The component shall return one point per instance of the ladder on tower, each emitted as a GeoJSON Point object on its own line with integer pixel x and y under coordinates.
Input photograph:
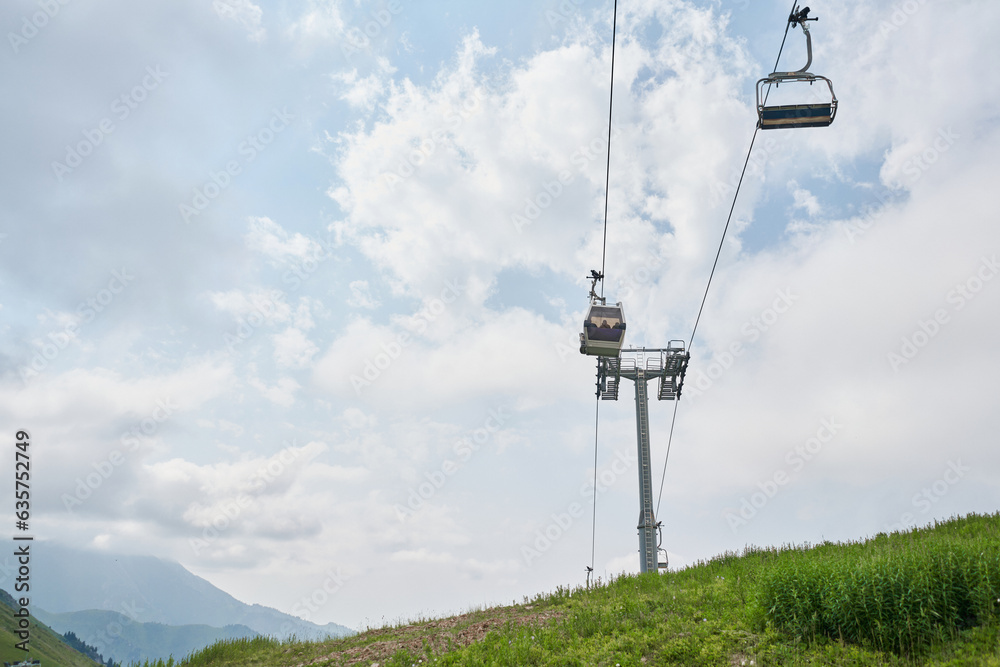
{"type": "Point", "coordinates": [673, 362]}
{"type": "Point", "coordinates": [610, 372]}
{"type": "Point", "coordinates": [647, 524]}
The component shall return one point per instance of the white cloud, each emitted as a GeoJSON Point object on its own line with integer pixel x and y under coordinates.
{"type": "Point", "coordinates": [363, 92]}
{"type": "Point", "coordinates": [292, 349]}
{"type": "Point", "coordinates": [244, 12]}
{"type": "Point", "coordinates": [94, 396]}
{"type": "Point", "coordinates": [515, 353]}
{"type": "Point", "coordinates": [355, 418]}
{"type": "Point", "coordinates": [322, 22]}
{"type": "Point", "coordinates": [272, 240]}
{"type": "Point", "coordinates": [222, 425]}
{"type": "Point", "coordinates": [303, 313]}
{"type": "Point", "coordinates": [805, 200]}
{"type": "Point", "coordinates": [894, 60]}
{"type": "Point", "coordinates": [361, 295]}
{"type": "Point", "coordinates": [230, 427]}
{"type": "Point", "coordinates": [263, 305]}
{"type": "Point", "coordinates": [250, 492]}
{"type": "Point", "coordinates": [462, 179]}
{"type": "Point", "coordinates": [282, 393]}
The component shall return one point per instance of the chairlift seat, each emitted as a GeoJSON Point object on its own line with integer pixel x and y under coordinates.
{"type": "Point", "coordinates": [796, 115]}
{"type": "Point", "coordinates": [817, 114]}
{"type": "Point", "coordinates": [776, 117]}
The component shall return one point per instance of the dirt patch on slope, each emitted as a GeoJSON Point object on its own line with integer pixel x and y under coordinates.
{"type": "Point", "coordinates": [438, 635]}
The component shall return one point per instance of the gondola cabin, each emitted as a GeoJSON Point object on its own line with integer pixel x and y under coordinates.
{"type": "Point", "coordinates": [603, 330]}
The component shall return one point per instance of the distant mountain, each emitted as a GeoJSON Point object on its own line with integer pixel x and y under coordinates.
{"type": "Point", "coordinates": [151, 590]}
{"type": "Point", "coordinates": [44, 644]}
{"type": "Point", "coordinates": [126, 641]}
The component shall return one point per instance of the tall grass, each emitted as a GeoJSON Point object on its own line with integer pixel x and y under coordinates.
{"type": "Point", "coordinates": [901, 593]}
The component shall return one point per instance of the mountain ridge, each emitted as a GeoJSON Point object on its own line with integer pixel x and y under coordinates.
{"type": "Point", "coordinates": [149, 589]}
{"type": "Point", "coordinates": [127, 641]}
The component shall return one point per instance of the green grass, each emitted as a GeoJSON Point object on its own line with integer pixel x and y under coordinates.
{"type": "Point", "coordinates": [923, 597]}
{"type": "Point", "coordinates": [902, 593]}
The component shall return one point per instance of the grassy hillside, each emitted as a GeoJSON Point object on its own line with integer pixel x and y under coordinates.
{"type": "Point", "coordinates": [45, 644]}
{"type": "Point", "coordinates": [927, 597]}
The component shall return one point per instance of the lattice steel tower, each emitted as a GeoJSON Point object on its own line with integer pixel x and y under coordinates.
{"type": "Point", "coordinates": [641, 365]}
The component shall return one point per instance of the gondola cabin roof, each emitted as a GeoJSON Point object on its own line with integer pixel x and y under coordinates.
{"type": "Point", "coordinates": [613, 315]}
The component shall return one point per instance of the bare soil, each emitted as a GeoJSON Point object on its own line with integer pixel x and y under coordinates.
{"type": "Point", "coordinates": [439, 635]}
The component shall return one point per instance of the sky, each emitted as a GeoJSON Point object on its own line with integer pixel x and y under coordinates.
{"type": "Point", "coordinates": [290, 291]}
